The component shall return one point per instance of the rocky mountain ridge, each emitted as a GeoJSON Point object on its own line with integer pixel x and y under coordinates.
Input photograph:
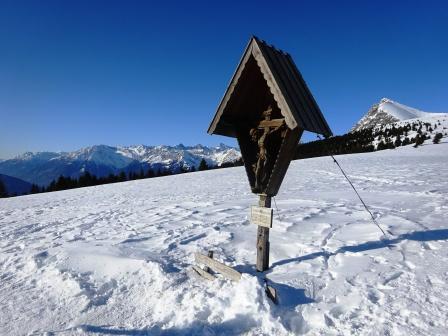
{"type": "Point", "coordinates": [387, 112]}
{"type": "Point", "coordinates": [42, 167]}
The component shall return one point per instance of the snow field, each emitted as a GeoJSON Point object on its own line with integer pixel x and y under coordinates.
{"type": "Point", "coordinates": [114, 259]}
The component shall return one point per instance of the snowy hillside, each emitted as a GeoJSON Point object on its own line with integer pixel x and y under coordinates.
{"type": "Point", "coordinates": [428, 127]}
{"type": "Point", "coordinates": [43, 167]}
{"type": "Point", "coordinates": [387, 111]}
{"type": "Point", "coordinates": [114, 259]}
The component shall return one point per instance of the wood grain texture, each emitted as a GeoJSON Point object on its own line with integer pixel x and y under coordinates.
{"type": "Point", "coordinates": [203, 273]}
{"type": "Point", "coordinates": [262, 249]}
{"type": "Point", "coordinates": [210, 255]}
{"type": "Point", "coordinates": [287, 152]}
{"type": "Point", "coordinates": [263, 238]}
{"type": "Point", "coordinates": [271, 123]}
{"type": "Point", "coordinates": [226, 271]}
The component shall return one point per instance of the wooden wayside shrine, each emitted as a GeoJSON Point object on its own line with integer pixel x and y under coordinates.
{"type": "Point", "coordinates": [267, 106]}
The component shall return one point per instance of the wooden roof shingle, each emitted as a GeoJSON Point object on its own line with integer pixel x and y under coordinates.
{"type": "Point", "coordinates": [286, 84]}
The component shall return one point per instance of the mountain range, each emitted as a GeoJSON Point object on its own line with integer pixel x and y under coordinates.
{"type": "Point", "coordinates": [101, 160]}
{"type": "Point", "coordinates": [42, 167]}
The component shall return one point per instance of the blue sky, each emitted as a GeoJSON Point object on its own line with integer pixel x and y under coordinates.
{"type": "Point", "coordinates": [79, 73]}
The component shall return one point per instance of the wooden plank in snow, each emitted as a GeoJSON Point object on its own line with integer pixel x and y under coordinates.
{"type": "Point", "coordinates": [203, 273]}
{"type": "Point", "coordinates": [226, 271]}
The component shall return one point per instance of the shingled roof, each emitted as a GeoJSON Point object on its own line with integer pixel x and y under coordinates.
{"type": "Point", "coordinates": [286, 85]}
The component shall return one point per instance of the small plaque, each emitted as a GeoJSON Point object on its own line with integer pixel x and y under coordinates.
{"type": "Point", "coordinates": [261, 216]}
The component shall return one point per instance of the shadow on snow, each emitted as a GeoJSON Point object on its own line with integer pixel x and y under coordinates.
{"type": "Point", "coordinates": [289, 297]}
{"type": "Point", "coordinates": [440, 234]}
{"type": "Point", "coordinates": [239, 324]}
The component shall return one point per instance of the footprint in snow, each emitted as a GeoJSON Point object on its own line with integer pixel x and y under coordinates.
{"type": "Point", "coordinates": [337, 311]}
{"type": "Point", "coordinates": [375, 296]}
{"type": "Point", "coordinates": [394, 276]}
{"type": "Point", "coordinates": [429, 246]}
{"type": "Point", "coordinates": [192, 239]}
{"type": "Point", "coordinates": [40, 259]}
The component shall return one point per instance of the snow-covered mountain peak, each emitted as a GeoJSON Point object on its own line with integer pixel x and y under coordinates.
{"type": "Point", "coordinates": [223, 146]}
{"type": "Point", "coordinates": [42, 156]}
{"type": "Point", "coordinates": [101, 154]}
{"type": "Point", "coordinates": [400, 111]}
{"type": "Point", "coordinates": [388, 111]}
{"type": "Point", "coordinates": [180, 146]}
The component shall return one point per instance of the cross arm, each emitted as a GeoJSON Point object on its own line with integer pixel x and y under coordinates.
{"type": "Point", "coordinates": [272, 123]}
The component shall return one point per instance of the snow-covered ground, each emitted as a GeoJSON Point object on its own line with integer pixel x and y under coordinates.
{"type": "Point", "coordinates": [115, 259]}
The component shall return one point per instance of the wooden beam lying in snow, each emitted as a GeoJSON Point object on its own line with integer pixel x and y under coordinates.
{"type": "Point", "coordinates": [226, 271]}
{"type": "Point", "coordinates": [203, 273]}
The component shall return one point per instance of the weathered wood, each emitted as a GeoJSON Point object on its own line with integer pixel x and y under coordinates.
{"type": "Point", "coordinates": [276, 88]}
{"type": "Point", "coordinates": [287, 152]}
{"type": "Point", "coordinates": [204, 274]}
{"type": "Point", "coordinates": [271, 292]}
{"type": "Point", "coordinates": [226, 271]}
{"type": "Point", "coordinates": [264, 201]}
{"type": "Point", "coordinates": [261, 216]}
{"type": "Point", "coordinates": [271, 123]}
{"type": "Point", "coordinates": [262, 249]}
{"type": "Point", "coordinates": [267, 106]}
{"type": "Point", "coordinates": [263, 238]}
{"type": "Point", "coordinates": [210, 255]}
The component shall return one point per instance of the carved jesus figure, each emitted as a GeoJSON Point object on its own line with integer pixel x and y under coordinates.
{"type": "Point", "coordinates": [259, 135]}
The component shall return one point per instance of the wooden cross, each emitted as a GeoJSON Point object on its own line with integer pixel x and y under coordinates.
{"type": "Point", "coordinates": [259, 134]}
{"type": "Point", "coordinates": [268, 122]}
{"type": "Point", "coordinates": [271, 123]}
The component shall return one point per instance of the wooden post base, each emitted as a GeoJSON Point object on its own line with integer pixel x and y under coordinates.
{"type": "Point", "coordinates": [263, 238]}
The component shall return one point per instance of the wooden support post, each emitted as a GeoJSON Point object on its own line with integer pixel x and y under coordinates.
{"type": "Point", "coordinates": [263, 238]}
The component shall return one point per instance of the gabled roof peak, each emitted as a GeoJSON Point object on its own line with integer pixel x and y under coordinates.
{"type": "Point", "coordinates": [258, 40]}
{"type": "Point", "coordinates": [285, 84]}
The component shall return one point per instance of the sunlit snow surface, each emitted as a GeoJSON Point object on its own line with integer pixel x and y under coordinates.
{"type": "Point", "coordinates": [403, 112]}
{"type": "Point", "coordinates": [388, 112]}
{"type": "Point", "coordinates": [115, 259]}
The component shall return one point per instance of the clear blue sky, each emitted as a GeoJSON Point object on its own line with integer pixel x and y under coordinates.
{"type": "Point", "coordinates": [79, 73]}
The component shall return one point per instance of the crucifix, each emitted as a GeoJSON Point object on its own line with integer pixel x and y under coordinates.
{"type": "Point", "coordinates": [267, 107]}
{"type": "Point", "coordinates": [259, 134]}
